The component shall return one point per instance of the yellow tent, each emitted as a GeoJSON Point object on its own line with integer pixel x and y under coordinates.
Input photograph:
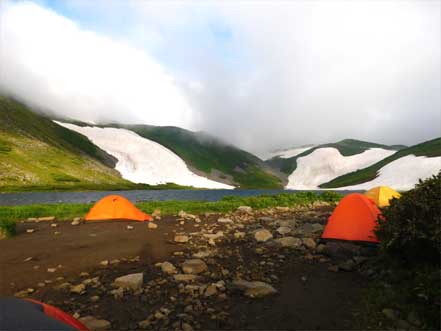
{"type": "Point", "coordinates": [381, 195]}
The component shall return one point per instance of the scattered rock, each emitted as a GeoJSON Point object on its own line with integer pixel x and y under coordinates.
{"type": "Point", "coordinates": [185, 277]}
{"type": "Point", "coordinates": [94, 298]}
{"type": "Point", "coordinates": [95, 324]}
{"type": "Point", "coordinates": [131, 281]}
{"type": "Point", "coordinates": [245, 209]}
{"type": "Point", "coordinates": [225, 220]}
{"type": "Point", "coordinates": [168, 268]}
{"type": "Point", "coordinates": [104, 263]}
{"type": "Point", "coordinates": [194, 266]}
{"type": "Point", "coordinates": [21, 294]}
{"type": "Point", "coordinates": [254, 289]}
{"type": "Point", "coordinates": [30, 230]}
{"type": "Point", "coordinates": [309, 243]}
{"type": "Point", "coordinates": [262, 235]}
{"type": "Point", "coordinates": [320, 248]}
{"type": "Point", "coordinates": [152, 225]}
{"type": "Point", "coordinates": [54, 225]}
{"type": "Point", "coordinates": [144, 324]}
{"type": "Point", "coordinates": [390, 313]}
{"type": "Point", "coordinates": [46, 219]}
{"type": "Point", "coordinates": [283, 230]}
{"type": "Point", "coordinates": [28, 259]}
{"type": "Point", "coordinates": [181, 239]}
{"type": "Point", "coordinates": [290, 242]}
{"type": "Point", "coordinates": [156, 214]}
{"type": "Point", "coordinates": [129, 227]}
{"type": "Point", "coordinates": [347, 265]}
{"type": "Point", "coordinates": [211, 290]}
{"type": "Point", "coordinates": [214, 236]}
{"type": "Point", "coordinates": [51, 270]}
{"type": "Point", "coordinates": [239, 235]}
{"type": "Point", "coordinates": [117, 293]}
{"type": "Point", "coordinates": [75, 222]}
{"type": "Point", "coordinates": [78, 289]}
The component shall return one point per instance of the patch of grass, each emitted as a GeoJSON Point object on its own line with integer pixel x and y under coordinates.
{"type": "Point", "coordinates": [64, 178]}
{"type": "Point", "coordinates": [431, 148]}
{"type": "Point", "coordinates": [5, 146]}
{"type": "Point", "coordinates": [7, 227]}
{"type": "Point", "coordinates": [227, 204]}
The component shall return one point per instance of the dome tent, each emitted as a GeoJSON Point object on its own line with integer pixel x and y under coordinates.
{"type": "Point", "coordinates": [381, 195]}
{"type": "Point", "coordinates": [354, 218]}
{"type": "Point", "coordinates": [116, 207]}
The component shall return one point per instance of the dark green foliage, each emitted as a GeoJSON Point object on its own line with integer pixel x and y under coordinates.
{"type": "Point", "coordinates": [346, 147]}
{"type": "Point", "coordinates": [8, 227]}
{"type": "Point", "coordinates": [16, 118]}
{"type": "Point", "coordinates": [431, 148]}
{"type": "Point", "coordinates": [411, 228]}
{"type": "Point", "coordinates": [410, 251]}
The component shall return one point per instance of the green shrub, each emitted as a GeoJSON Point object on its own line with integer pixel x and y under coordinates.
{"type": "Point", "coordinates": [8, 227]}
{"type": "Point", "coordinates": [64, 178]}
{"type": "Point", "coordinates": [410, 229]}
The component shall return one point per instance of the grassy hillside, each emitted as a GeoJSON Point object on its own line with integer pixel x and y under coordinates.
{"type": "Point", "coordinates": [346, 147]}
{"type": "Point", "coordinates": [429, 148]}
{"type": "Point", "coordinates": [211, 156]}
{"type": "Point", "coordinates": [37, 153]}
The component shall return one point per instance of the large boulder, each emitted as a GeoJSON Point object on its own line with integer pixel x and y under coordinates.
{"type": "Point", "coordinates": [131, 281]}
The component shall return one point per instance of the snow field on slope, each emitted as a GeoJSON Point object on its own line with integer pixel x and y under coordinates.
{"type": "Point", "coordinates": [325, 164]}
{"type": "Point", "coordinates": [287, 153]}
{"type": "Point", "coordinates": [141, 160]}
{"type": "Point", "coordinates": [403, 173]}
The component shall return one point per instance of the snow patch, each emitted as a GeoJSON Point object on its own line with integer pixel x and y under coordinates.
{"type": "Point", "coordinates": [141, 160]}
{"type": "Point", "coordinates": [325, 164]}
{"type": "Point", "coordinates": [287, 153]}
{"type": "Point", "coordinates": [403, 174]}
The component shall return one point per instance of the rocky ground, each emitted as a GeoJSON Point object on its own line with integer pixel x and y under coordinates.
{"type": "Point", "coordinates": [245, 270]}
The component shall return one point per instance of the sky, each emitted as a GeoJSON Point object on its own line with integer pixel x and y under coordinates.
{"type": "Point", "coordinates": [262, 75]}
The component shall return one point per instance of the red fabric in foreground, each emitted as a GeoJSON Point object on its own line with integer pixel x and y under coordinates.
{"type": "Point", "coordinates": [60, 315]}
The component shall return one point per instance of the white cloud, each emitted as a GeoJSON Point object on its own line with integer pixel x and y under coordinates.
{"type": "Point", "coordinates": [49, 61]}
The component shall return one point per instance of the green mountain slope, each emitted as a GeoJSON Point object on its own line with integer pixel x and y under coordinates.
{"type": "Point", "coordinates": [38, 153]}
{"type": "Point", "coordinates": [429, 148]}
{"type": "Point", "coordinates": [211, 157]}
{"type": "Point", "coordinates": [346, 147]}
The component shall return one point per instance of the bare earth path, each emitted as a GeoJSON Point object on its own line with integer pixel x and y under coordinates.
{"type": "Point", "coordinates": [309, 296]}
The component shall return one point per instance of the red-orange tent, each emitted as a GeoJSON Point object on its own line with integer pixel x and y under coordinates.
{"type": "Point", "coordinates": [116, 207]}
{"type": "Point", "coordinates": [354, 218]}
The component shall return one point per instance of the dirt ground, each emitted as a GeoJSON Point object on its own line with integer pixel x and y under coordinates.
{"type": "Point", "coordinates": [309, 296]}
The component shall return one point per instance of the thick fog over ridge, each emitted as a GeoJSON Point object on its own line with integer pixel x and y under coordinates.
{"type": "Point", "coordinates": [261, 75]}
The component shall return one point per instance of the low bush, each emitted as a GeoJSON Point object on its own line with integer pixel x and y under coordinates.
{"type": "Point", "coordinates": [7, 228]}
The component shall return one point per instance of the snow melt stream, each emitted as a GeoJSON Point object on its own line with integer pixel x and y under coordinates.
{"type": "Point", "coordinates": [325, 164]}
{"type": "Point", "coordinates": [141, 160]}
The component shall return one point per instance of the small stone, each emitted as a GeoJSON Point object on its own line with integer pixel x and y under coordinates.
{"type": "Point", "coordinates": [54, 225]}
{"type": "Point", "coordinates": [168, 268]}
{"type": "Point", "coordinates": [30, 290]}
{"type": "Point", "coordinates": [262, 235]}
{"type": "Point", "coordinates": [156, 213]}
{"type": "Point", "coordinates": [129, 227]}
{"type": "Point", "coordinates": [94, 298]}
{"type": "Point", "coordinates": [245, 209]}
{"type": "Point", "coordinates": [185, 277]}
{"type": "Point", "coordinates": [78, 289]}
{"type": "Point", "coordinates": [347, 266]}
{"type": "Point", "coordinates": [186, 327]}
{"type": "Point", "coordinates": [30, 230]}
{"type": "Point", "coordinates": [309, 243]}
{"type": "Point", "coordinates": [21, 294]}
{"type": "Point", "coordinates": [255, 289]}
{"type": "Point", "coordinates": [159, 316]}
{"type": "Point", "coordinates": [95, 324]}
{"type": "Point", "coordinates": [75, 222]}
{"type": "Point", "coordinates": [145, 324]}
{"type": "Point", "coordinates": [57, 233]}
{"type": "Point", "coordinates": [28, 259]}
{"type": "Point", "coordinates": [333, 268]}
{"type": "Point", "coordinates": [213, 236]}
{"type": "Point", "coordinates": [51, 270]}
{"type": "Point", "coordinates": [194, 266]}
{"type": "Point", "coordinates": [181, 239]}
{"type": "Point", "coordinates": [283, 230]}
{"type": "Point", "coordinates": [130, 281]}
{"type": "Point", "coordinates": [320, 248]}
{"type": "Point", "coordinates": [290, 242]}
{"type": "Point", "coordinates": [104, 263]}
{"type": "Point", "coordinates": [391, 314]}
{"type": "Point", "coordinates": [211, 290]}
{"type": "Point", "coordinates": [152, 225]}
{"type": "Point", "coordinates": [239, 235]}
{"type": "Point", "coordinates": [117, 293]}
{"type": "Point", "coordinates": [225, 220]}
{"type": "Point", "coordinates": [46, 219]}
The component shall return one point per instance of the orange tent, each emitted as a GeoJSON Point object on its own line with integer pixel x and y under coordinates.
{"type": "Point", "coordinates": [116, 207]}
{"type": "Point", "coordinates": [354, 218]}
